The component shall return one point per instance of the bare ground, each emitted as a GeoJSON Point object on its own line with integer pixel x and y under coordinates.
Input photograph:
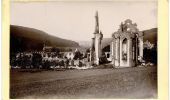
{"type": "Point", "coordinates": [136, 82]}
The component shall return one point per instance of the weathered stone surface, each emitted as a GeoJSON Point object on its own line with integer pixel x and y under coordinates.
{"type": "Point", "coordinates": [125, 54]}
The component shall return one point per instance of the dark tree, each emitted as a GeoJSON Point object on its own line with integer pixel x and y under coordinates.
{"type": "Point", "coordinates": [36, 60]}
{"type": "Point", "coordinates": [46, 64]}
{"type": "Point", "coordinates": [78, 55]}
{"type": "Point", "coordinates": [26, 61]}
{"type": "Point", "coordinates": [56, 50]}
{"type": "Point", "coordinates": [150, 55]}
{"type": "Point", "coordinates": [103, 59]}
{"type": "Point", "coordinates": [61, 63]}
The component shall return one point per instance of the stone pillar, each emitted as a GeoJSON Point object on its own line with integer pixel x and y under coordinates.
{"type": "Point", "coordinates": [130, 51]}
{"type": "Point", "coordinates": [92, 50]}
{"type": "Point", "coordinates": [141, 47]}
{"type": "Point", "coordinates": [117, 52]}
{"type": "Point", "coordinates": [136, 51]}
{"type": "Point", "coordinates": [97, 49]}
{"type": "Point", "coordinates": [120, 52]}
{"type": "Point", "coordinates": [90, 55]}
{"type": "Point", "coordinates": [116, 48]}
{"type": "Point", "coordinates": [112, 52]}
{"type": "Point", "coordinates": [111, 49]}
{"type": "Point", "coordinates": [129, 45]}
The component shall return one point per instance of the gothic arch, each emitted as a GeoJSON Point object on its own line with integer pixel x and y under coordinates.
{"type": "Point", "coordinates": [124, 49]}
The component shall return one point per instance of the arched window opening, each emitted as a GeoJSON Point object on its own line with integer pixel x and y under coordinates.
{"type": "Point", "coordinates": [133, 48]}
{"type": "Point", "coordinates": [133, 53]}
{"type": "Point", "coordinates": [108, 55]}
{"type": "Point", "coordinates": [124, 49]}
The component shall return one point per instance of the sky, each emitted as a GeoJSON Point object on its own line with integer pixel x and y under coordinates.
{"type": "Point", "coordinates": [75, 20]}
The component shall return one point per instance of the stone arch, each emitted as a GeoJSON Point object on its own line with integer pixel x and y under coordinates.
{"type": "Point", "coordinates": [124, 49]}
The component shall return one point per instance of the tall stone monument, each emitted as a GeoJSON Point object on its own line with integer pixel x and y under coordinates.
{"type": "Point", "coordinates": [96, 51]}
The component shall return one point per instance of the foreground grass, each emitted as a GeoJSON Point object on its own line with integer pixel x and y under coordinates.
{"type": "Point", "coordinates": [93, 83]}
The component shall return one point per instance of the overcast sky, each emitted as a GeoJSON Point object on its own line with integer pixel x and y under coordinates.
{"type": "Point", "coordinates": [75, 20]}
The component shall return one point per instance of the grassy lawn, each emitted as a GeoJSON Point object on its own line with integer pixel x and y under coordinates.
{"type": "Point", "coordinates": [136, 82]}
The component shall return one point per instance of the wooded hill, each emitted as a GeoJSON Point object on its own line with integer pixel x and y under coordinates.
{"type": "Point", "coordinates": [26, 39]}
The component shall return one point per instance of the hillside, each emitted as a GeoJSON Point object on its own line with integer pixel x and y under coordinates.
{"type": "Point", "coordinates": [150, 35]}
{"type": "Point", "coordinates": [85, 44]}
{"type": "Point", "coordinates": [106, 42]}
{"type": "Point", "coordinates": [24, 38]}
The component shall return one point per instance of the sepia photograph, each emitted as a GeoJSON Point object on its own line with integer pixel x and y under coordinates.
{"type": "Point", "coordinates": [83, 49]}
